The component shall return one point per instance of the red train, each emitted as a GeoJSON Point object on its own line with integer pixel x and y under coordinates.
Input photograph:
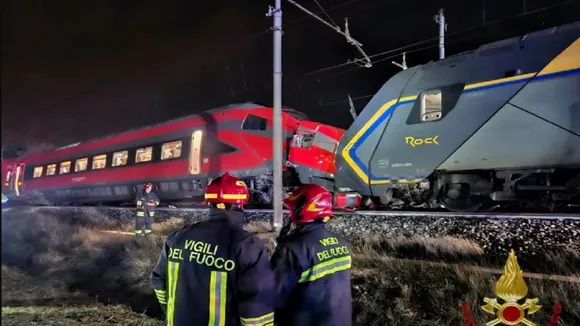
{"type": "Point", "coordinates": [179, 157]}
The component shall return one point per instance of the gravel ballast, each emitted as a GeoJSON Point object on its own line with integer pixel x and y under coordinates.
{"type": "Point", "coordinates": [494, 234]}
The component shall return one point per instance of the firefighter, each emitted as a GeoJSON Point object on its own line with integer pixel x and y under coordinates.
{"type": "Point", "coordinates": [214, 272]}
{"type": "Point", "coordinates": [146, 203]}
{"type": "Point", "coordinates": [311, 265]}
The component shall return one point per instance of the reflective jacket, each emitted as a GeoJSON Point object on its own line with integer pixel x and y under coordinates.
{"type": "Point", "coordinates": [215, 273]}
{"type": "Point", "coordinates": [146, 203]}
{"type": "Point", "coordinates": [312, 271]}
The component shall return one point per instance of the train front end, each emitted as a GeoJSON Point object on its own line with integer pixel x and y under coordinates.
{"type": "Point", "coordinates": [312, 153]}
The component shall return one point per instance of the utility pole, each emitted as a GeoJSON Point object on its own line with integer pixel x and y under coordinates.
{"type": "Point", "coordinates": [440, 19]}
{"type": "Point", "coordinates": [277, 120]}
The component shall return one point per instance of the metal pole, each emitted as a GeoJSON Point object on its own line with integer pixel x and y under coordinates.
{"type": "Point", "coordinates": [441, 34]}
{"type": "Point", "coordinates": [277, 137]}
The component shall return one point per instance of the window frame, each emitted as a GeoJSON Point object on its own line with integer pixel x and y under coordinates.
{"type": "Point", "coordinates": [180, 142]}
{"type": "Point", "coordinates": [263, 121]}
{"type": "Point", "coordinates": [146, 148]}
{"type": "Point", "coordinates": [35, 169]}
{"type": "Point", "coordinates": [86, 159]}
{"type": "Point", "coordinates": [48, 168]}
{"type": "Point", "coordinates": [426, 113]}
{"type": "Point", "coordinates": [98, 158]}
{"type": "Point", "coordinates": [61, 165]}
{"type": "Point", "coordinates": [124, 153]}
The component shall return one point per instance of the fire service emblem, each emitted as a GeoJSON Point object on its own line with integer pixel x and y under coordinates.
{"type": "Point", "coordinates": [511, 288]}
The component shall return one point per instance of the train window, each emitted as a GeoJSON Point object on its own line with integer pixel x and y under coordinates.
{"type": "Point", "coordinates": [99, 161]}
{"type": "Point", "coordinates": [37, 172]}
{"type": "Point", "coordinates": [51, 169]}
{"type": "Point", "coordinates": [64, 167]}
{"type": "Point", "coordinates": [144, 154]}
{"type": "Point", "coordinates": [120, 158]}
{"type": "Point", "coordinates": [431, 105]}
{"type": "Point", "coordinates": [253, 122]}
{"type": "Point", "coordinates": [81, 164]}
{"type": "Point", "coordinates": [304, 140]}
{"type": "Point", "coordinates": [171, 150]}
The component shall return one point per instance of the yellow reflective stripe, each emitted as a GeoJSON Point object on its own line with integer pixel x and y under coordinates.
{"type": "Point", "coordinates": [152, 214]}
{"type": "Point", "coordinates": [217, 298]}
{"type": "Point", "coordinates": [147, 231]}
{"type": "Point", "coordinates": [138, 231]}
{"type": "Point", "coordinates": [226, 196]}
{"type": "Point", "coordinates": [139, 203]}
{"type": "Point", "coordinates": [140, 213]}
{"type": "Point", "coordinates": [172, 274]}
{"type": "Point", "coordinates": [156, 203]}
{"type": "Point", "coordinates": [328, 267]}
{"type": "Point", "coordinates": [161, 296]}
{"type": "Point", "coordinates": [265, 320]}
{"type": "Point", "coordinates": [230, 196]}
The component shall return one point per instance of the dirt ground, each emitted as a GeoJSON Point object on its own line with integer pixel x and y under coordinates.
{"type": "Point", "coordinates": [89, 270]}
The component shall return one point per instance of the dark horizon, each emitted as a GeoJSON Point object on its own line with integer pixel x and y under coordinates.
{"type": "Point", "coordinates": [73, 72]}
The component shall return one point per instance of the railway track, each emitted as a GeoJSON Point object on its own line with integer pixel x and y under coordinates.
{"type": "Point", "coordinates": [394, 214]}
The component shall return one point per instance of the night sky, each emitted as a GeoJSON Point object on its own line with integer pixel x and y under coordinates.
{"type": "Point", "coordinates": [73, 70]}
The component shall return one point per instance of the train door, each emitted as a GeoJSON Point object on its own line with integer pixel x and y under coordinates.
{"type": "Point", "coordinates": [195, 152]}
{"type": "Point", "coordinates": [17, 180]}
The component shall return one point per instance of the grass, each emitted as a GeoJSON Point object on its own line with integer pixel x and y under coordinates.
{"type": "Point", "coordinates": [63, 270]}
{"type": "Point", "coordinates": [96, 314]}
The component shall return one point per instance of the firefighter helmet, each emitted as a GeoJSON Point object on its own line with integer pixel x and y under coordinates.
{"type": "Point", "coordinates": [309, 203]}
{"type": "Point", "coordinates": [227, 189]}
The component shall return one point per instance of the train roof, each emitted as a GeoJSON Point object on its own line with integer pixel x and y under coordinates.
{"type": "Point", "coordinates": [500, 45]}
{"type": "Point", "coordinates": [245, 105]}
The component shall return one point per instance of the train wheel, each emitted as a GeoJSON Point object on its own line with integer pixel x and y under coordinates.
{"type": "Point", "coordinates": [465, 196]}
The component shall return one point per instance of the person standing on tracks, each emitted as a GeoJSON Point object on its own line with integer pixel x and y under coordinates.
{"type": "Point", "coordinates": [214, 272]}
{"type": "Point", "coordinates": [146, 203]}
{"type": "Point", "coordinates": [311, 264]}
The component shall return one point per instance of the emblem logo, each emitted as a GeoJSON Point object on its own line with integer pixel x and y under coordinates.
{"type": "Point", "coordinates": [414, 142]}
{"type": "Point", "coordinates": [511, 288]}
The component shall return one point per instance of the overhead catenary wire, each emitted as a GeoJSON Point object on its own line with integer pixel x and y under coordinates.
{"type": "Point", "coordinates": [362, 97]}
{"type": "Point", "coordinates": [335, 28]}
{"type": "Point", "coordinates": [428, 47]}
{"type": "Point", "coordinates": [405, 48]}
{"type": "Point", "coordinates": [325, 13]}
{"type": "Point", "coordinates": [346, 34]}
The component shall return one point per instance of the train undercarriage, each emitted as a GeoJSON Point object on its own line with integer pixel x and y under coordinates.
{"type": "Point", "coordinates": [542, 189]}
{"type": "Point", "coordinates": [546, 189]}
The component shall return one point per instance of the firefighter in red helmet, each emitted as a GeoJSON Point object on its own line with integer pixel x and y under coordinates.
{"type": "Point", "coordinates": [312, 265]}
{"type": "Point", "coordinates": [146, 201]}
{"type": "Point", "coordinates": [214, 272]}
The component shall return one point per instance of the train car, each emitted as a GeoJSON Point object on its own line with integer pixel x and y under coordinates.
{"type": "Point", "coordinates": [496, 126]}
{"type": "Point", "coordinates": [180, 157]}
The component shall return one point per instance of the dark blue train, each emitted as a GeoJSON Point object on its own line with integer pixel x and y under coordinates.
{"type": "Point", "coordinates": [491, 127]}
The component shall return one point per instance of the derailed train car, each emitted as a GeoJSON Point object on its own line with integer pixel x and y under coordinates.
{"type": "Point", "coordinates": [179, 157]}
{"type": "Point", "coordinates": [494, 126]}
